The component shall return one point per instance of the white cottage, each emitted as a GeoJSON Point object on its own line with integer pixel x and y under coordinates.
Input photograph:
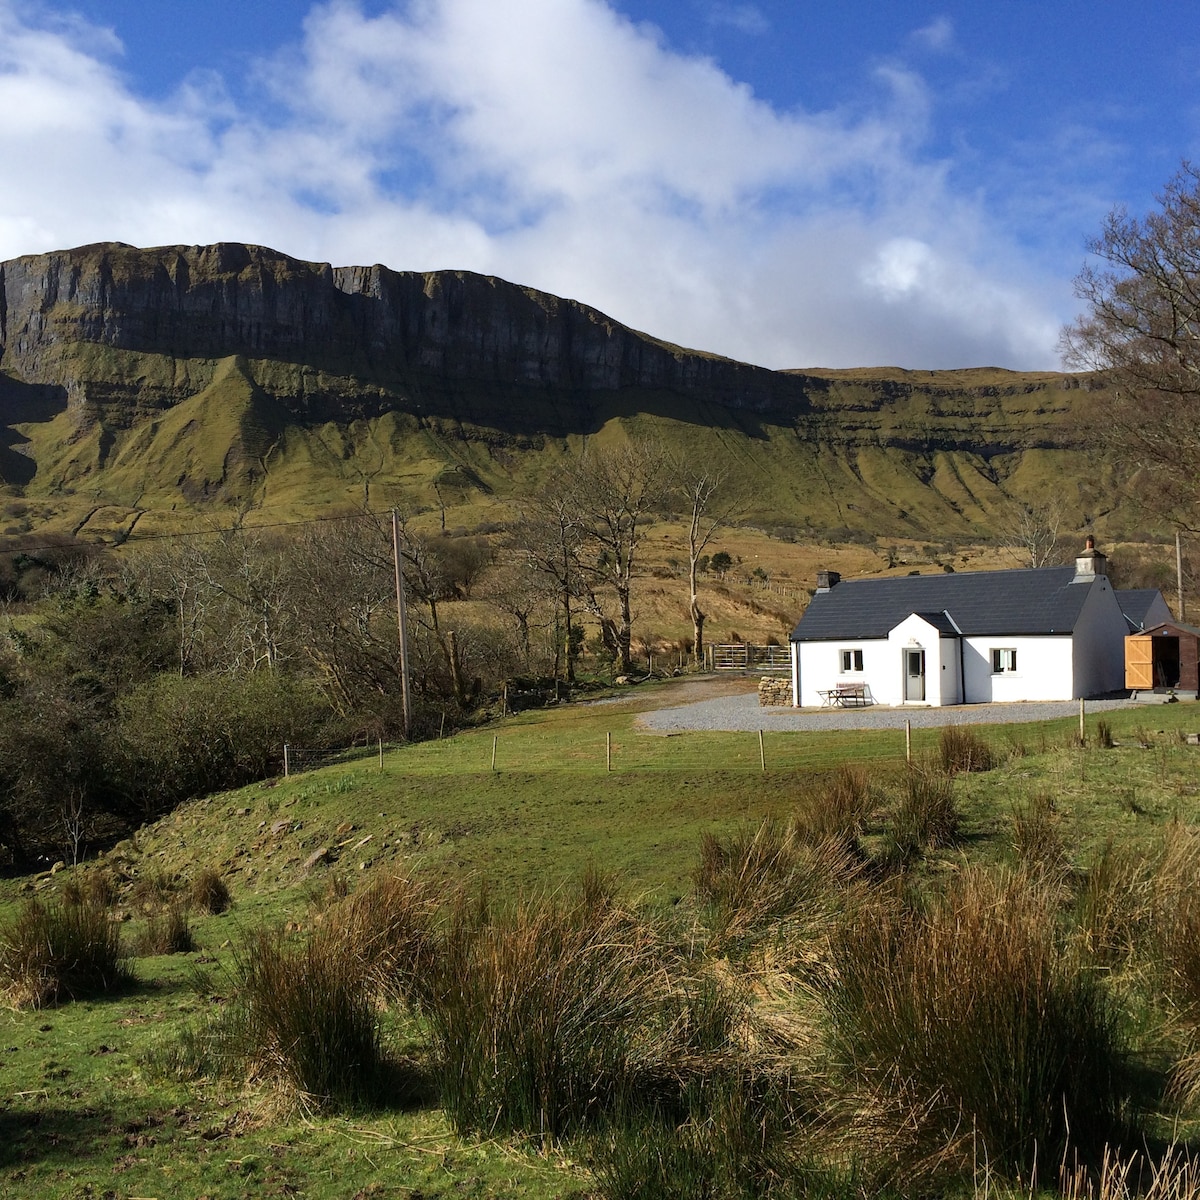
{"type": "Point", "coordinates": [1054, 633]}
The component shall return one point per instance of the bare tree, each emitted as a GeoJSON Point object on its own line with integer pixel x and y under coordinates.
{"type": "Point", "coordinates": [1032, 533]}
{"type": "Point", "coordinates": [1143, 326]}
{"type": "Point", "coordinates": [698, 486]}
{"type": "Point", "coordinates": [548, 538]}
{"type": "Point", "coordinates": [615, 494]}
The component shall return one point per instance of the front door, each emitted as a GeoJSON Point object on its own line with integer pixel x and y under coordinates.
{"type": "Point", "coordinates": [914, 674]}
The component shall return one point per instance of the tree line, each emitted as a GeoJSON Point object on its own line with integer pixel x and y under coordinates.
{"type": "Point", "coordinates": [132, 680]}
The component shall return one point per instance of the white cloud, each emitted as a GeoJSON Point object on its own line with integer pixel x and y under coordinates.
{"type": "Point", "coordinates": [937, 36]}
{"type": "Point", "coordinates": [745, 18]}
{"type": "Point", "coordinates": [551, 142]}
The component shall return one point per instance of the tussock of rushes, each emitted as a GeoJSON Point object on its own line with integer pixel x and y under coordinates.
{"type": "Point", "coordinates": [535, 1015]}
{"type": "Point", "coordinates": [53, 953]}
{"type": "Point", "coordinates": [1174, 1176]}
{"type": "Point", "coordinates": [167, 932]}
{"type": "Point", "coordinates": [1177, 919]}
{"type": "Point", "coordinates": [304, 1021]}
{"type": "Point", "coordinates": [927, 817]}
{"type": "Point", "coordinates": [972, 1032]}
{"type": "Point", "coordinates": [761, 878]}
{"type": "Point", "coordinates": [1037, 842]}
{"type": "Point", "coordinates": [210, 893]}
{"type": "Point", "coordinates": [390, 927]}
{"type": "Point", "coordinates": [1114, 910]}
{"type": "Point", "coordinates": [960, 748]}
{"type": "Point", "coordinates": [838, 811]}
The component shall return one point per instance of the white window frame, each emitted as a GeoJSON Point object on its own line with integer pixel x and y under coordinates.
{"type": "Point", "coordinates": [852, 662]}
{"type": "Point", "coordinates": [1004, 660]}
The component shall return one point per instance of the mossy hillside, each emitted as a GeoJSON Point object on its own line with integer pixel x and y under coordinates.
{"type": "Point", "coordinates": [927, 453]}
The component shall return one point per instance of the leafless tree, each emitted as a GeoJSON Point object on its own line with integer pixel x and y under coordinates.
{"type": "Point", "coordinates": [699, 487]}
{"type": "Point", "coordinates": [615, 493]}
{"type": "Point", "coordinates": [1143, 326]}
{"type": "Point", "coordinates": [1032, 533]}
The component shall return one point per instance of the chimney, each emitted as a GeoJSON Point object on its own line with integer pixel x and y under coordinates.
{"type": "Point", "coordinates": [1090, 563]}
{"type": "Point", "coordinates": [827, 580]}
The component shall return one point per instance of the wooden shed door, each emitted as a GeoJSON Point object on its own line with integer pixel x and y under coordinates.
{"type": "Point", "coordinates": [1139, 662]}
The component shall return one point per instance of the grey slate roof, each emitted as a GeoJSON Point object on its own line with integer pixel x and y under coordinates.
{"type": "Point", "coordinates": [1021, 602]}
{"type": "Point", "coordinates": [1135, 605]}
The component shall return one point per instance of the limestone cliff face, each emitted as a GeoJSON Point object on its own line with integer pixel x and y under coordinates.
{"type": "Point", "coordinates": [446, 328]}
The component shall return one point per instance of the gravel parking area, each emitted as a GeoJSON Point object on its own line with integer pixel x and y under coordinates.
{"type": "Point", "coordinates": [742, 714]}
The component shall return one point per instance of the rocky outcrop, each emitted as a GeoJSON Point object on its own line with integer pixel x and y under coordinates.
{"type": "Point", "coordinates": [445, 329]}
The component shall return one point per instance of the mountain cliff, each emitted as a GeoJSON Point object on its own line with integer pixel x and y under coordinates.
{"type": "Point", "coordinates": [137, 382]}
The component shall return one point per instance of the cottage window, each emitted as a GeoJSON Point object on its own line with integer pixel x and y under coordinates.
{"type": "Point", "coordinates": [852, 660]}
{"type": "Point", "coordinates": [1003, 661]}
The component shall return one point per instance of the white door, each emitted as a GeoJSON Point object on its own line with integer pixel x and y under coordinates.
{"type": "Point", "coordinates": [914, 674]}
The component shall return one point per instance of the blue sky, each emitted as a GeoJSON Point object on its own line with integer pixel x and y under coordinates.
{"type": "Point", "coordinates": [793, 183]}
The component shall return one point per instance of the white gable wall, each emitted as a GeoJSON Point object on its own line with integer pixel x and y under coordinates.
{"type": "Point", "coordinates": [1100, 642]}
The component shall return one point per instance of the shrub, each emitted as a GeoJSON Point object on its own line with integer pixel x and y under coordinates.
{"type": "Point", "coordinates": [51, 953]}
{"type": "Point", "coordinates": [535, 1015]}
{"type": "Point", "coordinates": [962, 749]}
{"type": "Point", "coordinates": [210, 893]}
{"type": "Point", "coordinates": [972, 1034]}
{"type": "Point", "coordinates": [167, 932]}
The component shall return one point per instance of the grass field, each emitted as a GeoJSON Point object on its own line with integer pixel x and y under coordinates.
{"type": "Point", "coordinates": [86, 1111]}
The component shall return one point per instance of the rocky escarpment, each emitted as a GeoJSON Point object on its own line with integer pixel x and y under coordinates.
{"type": "Point", "coordinates": [445, 329]}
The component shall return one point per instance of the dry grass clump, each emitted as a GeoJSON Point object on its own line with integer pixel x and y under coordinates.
{"type": "Point", "coordinates": [1173, 1176]}
{"type": "Point", "coordinates": [536, 1015]}
{"type": "Point", "coordinates": [971, 1032]}
{"type": "Point", "coordinates": [927, 816]}
{"type": "Point", "coordinates": [391, 927]}
{"type": "Point", "coordinates": [303, 1021]}
{"type": "Point", "coordinates": [209, 893]}
{"type": "Point", "coordinates": [96, 887]}
{"type": "Point", "coordinates": [838, 811]}
{"type": "Point", "coordinates": [167, 932]}
{"type": "Point", "coordinates": [1115, 907]}
{"type": "Point", "coordinates": [960, 748]}
{"type": "Point", "coordinates": [1037, 842]}
{"type": "Point", "coordinates": [51, 953]}
{"type": "Point", "coordinates": [761, 879]}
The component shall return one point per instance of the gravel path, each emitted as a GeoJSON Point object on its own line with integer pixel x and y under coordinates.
{"type": "Point", "coordinates": [742, 714]}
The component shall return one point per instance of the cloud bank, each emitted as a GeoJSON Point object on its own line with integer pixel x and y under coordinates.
{"type": "Point", "coordinates": [553, 143]}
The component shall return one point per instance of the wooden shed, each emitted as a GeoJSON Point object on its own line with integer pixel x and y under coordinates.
{"type": "Point", "coordinates": [1164, 658]}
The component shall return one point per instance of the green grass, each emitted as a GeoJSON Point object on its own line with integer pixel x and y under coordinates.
{"type": "Point", "coordinates": [82, 1107]}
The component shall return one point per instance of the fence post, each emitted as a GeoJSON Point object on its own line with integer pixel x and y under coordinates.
{"type": "Point", "coordinates": [494, 741]}
{"type": "Point", "coordinates": [762, 751]}
{"type": "Point", "coordinates": [608, 751]}
{"type": "Point", "coordinates": [381, 754]}
{"type": "Point", "coordinates": [286, 771]}
{"type": "Point", "coordinates": [1081, 729]}
{"type": "Point", "coordinates": [908, 741]}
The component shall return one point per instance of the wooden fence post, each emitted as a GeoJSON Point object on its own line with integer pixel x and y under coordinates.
{"type": "Point", "coordinates": [608, 751]}
{"type": "Point", "coordinates": [381, 754]}
{"type": "Point", "coordinates": [908, 741]}
{"type": "Point", "coordinates": [286, 765]}
{"type": "Point", "coordinates": [494, 741]}
{"type": "Point", "coordinates": [1081, 728]}
{"type": "Point", "coordinates": [762, 751]}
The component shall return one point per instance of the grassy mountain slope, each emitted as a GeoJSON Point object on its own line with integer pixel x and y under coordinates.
{"type": "Point", "coordinates": [320, 389]}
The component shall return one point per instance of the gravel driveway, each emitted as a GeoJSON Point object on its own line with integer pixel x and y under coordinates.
{"type": "Point", "coordinates": [742, 714]}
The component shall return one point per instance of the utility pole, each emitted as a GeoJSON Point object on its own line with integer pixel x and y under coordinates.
{"type": "Point", "coordinates": [1179, 574]}
{"type": "Point", "coordinates": [402, 621]}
